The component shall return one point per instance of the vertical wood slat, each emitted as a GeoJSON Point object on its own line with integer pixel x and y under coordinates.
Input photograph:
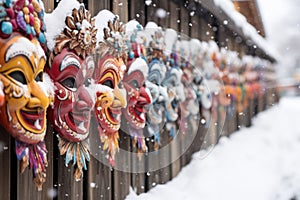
{"type": "Point", "coordinates": [5, 164]}
{"type": "Point", "coordinates": [175, 146]}
{"type": "Point", "coordinates": [174, 15]}
{"type": "Point", "coordinates": [195, 28]}
{"type": "Point", "coordinates": [184, 23]}
{"type": "Point", "coordinates": [118, 9]}
{"type": "Point", "coordinates": [122, 178]}
{"type": "Point", "coordinates": [205, 33]}
{"type": "Point", "coordinates": [99, 175]}
{"type": "Point", "coordinates": [152, 178]}
{"type": "Point", "coordinates": [165, 22]}
{"type": "Point", "coordinates": [151, 12]}
{"type": "Point", "coordinates": [232, 118]}
{"type": "Point", "coordinates": [95, 6]}
{"type": "Point", "coordinates": [164, 158]}
{"type": "Point", "coordinates": [138, 11]}
{"type": "Point", "coordinates": [222, 125]}
{"type": "Point", "coordinates": [49, 5]}
{"type": "Point", "coordinates": [138, 177]}
{"type": "Point", "coordinates": [99, 184]}
{"type": "Point", "coordinates": [26, 188]}
{"type": "Point", "coordinates": [68, 188]}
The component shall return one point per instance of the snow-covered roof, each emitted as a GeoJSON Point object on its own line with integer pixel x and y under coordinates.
{"type": "Point", "coordinates": [238, 23]}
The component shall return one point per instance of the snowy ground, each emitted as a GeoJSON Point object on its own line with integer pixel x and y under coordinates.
{"type": "Point", "coordinates": [257, 163]}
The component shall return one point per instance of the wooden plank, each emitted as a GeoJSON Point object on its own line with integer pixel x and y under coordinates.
{"type": "Point", "coordinates": [119, 7]}
{"type": "Point", "coordinates": [99, 184]}
{"type": "Point", "coordinates": [184, 23]}
{"type": "Point", "coordinates": [122, 174]}
{"type": "Point", "coordinates": [26, 188]}
{"type": "Point", "coordinates": [138, 177]}
{"type": "Point", "coordinates": [200, 136]}
{"type": "Point", "coordinates": [95, 6]}
{"type": "Point", "coordinates": [175, 150]}
{"type": "Point", "coordinates": [63, 179]}
{"type": "Point", "coordinates": [195, 28]}
{"type": "Point", "coordinates": [99, 179]}
{"type": "Point", "coordinates": [164, 158]}
{"type": "Point", "coordinates": [164, 21]}
{"type": "Point", "coordinates": [68, 188]}
{"type": "Point", "coordinates": [49, 5]}
{"type": "Point", "coordinates": [138, 11]}
{"type": "Point", "coordinates": [48, 190]}
{"type": "Point", "coordinates": [151, 11]}
{"type": "Point", "coordinates": [186, 146]}
{"type": "Point", "coordinates": [152, 174]}
{"type": "Point", "coordinates": [222, 123]}
{"type": "Point", "coordinates": [248, 115]}
{"type": "Point", "coordinates": [231, 117]}
{"type": "Point", "coordinates": [6, 153]}
{"type": "Point", "coordinates": [174, 15]}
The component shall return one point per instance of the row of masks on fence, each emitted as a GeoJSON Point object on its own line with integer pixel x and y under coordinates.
{"type": "Point", "coordinates": [83, 71]}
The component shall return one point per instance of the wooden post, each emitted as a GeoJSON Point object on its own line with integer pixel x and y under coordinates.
{"type": "Point", "coordinates": [175, 147]}
{"type": "Point", "coordinates": [99, 180]}
{"type": "Point", "coordinates": [122, 178]}
{"type": "Point", "coordinates": [184, 23]}
{"type": "Point", "coordinates": [68, 188]}
{"type": "Point", "coordinates": [174, 15]}
{"type": "Point", "coordinates": [164, 21]}
{"type": "Point", "coordinates": [138, 11]}
{"type": "Point", "coordinates": [6, 169]}
{"type": "Point", "coordinates": [49, 5]}
{"type": "Point", "coordinates": [119, 7]}
{"type": "Point", "coordinates": [95, 6]}
{"type": "Point", "coordinates": [164, 157]}
{"type": "Point", "coordinates": [26, 188]}
{"type": "Point", "coordinates": [152, 176]}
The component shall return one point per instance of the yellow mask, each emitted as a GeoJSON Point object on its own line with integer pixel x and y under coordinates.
{"type": "Point", "coordinates": [23, 113]}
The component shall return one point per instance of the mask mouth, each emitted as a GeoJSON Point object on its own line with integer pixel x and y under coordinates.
{"type": "Point", "coordinates": [114, 115]}
{"type": "Point", "coordinates": [34, 119]}
{"type": "Point", "coordinates": [137, 115]}
{"type": "Point", "coordinates": [109, 118]}
{"type": "Point", "coordinates": [79, 121]}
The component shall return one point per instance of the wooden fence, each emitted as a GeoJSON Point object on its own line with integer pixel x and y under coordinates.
{"type": "Point", "coordinates": [101, 181]}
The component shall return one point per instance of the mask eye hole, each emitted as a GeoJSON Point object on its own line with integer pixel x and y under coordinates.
{"type": "Point", "coordinates": [120, 85]}
{"type": "Point", "coordinates": [18, 76]}
{"type": "Point", "coordinates": [109, 83]}
{"type": "Point", "coordinates": [87, 82]}
{"type": "Point", "coordinates": [39, 77]}
{"type": "Point", "coordinates": [134, 84]}
{"type": "Point", "coordinates": [70, 83]}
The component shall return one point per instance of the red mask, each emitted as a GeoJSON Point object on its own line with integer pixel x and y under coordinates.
{"type": "Point", "coordinates": [110, 102]}
{"type": "Point", "coordinates": [71, 112]}
{"type": "Point", "coordinates": [137, 95]}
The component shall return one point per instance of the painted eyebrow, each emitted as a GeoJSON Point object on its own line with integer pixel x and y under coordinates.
{"type": "Point", "coordinates": [23, 47]}
{"type": "Point", "coordinates": [67, 61]}
{"type": "Point", "coordinates": [90, 63]}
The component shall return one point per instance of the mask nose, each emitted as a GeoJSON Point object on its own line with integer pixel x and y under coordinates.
{"type": "Point", "coordinates": [144, 98]}
{"type": "Point", "coordinates": [38, 98]}
{"type": "Point", "coordinates": [85, 101]}
{"type": "Point", "coordinates": [119, 99]}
